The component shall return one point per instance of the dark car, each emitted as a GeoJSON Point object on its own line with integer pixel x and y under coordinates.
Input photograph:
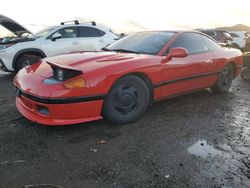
{"type": "Point", "coordinates": [222, 37]}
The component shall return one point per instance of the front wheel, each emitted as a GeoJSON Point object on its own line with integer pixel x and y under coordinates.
{"type": "Point", "coordinates": [224, 80]}
{"type": "Point", "coordinates": [25, 61]}
{"type": "Point", "coordinates": [127, 100]}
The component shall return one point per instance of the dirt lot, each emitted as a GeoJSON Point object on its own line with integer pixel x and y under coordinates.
{"type": "Point", "coordinates": [197, 140]}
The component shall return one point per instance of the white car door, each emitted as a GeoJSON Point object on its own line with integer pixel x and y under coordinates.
{"type": "Point", "coordinates": [92, 38]}
{"type": "Point", "coordinates": [69, 42]}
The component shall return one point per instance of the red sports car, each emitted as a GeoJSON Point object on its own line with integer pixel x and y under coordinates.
{"type": "Point", "coordinates": [121, 81]}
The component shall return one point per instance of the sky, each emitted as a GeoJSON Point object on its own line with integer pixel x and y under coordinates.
{"type": "Point", "coordinates": [130, 15]}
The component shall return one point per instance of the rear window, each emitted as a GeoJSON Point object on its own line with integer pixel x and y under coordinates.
{"type": "Point", "coordinates": [91, 32]}
{"type": "Point", "coordinates": [212, 45]}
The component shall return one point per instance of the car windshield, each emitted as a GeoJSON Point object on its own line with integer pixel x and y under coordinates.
{"type": "Point", "coordinates": [143, 42]}
{"type": "Point", "coordinates": [45, 31]}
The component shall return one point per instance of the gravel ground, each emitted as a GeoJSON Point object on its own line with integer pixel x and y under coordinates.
{"type": "Point", "coordinates": [196, 140]}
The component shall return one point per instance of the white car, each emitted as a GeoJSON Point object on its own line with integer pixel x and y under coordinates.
{"type": "Point", "coordinates": [25, 48]}
{"type": "Point", "coordinates": [239, 39]}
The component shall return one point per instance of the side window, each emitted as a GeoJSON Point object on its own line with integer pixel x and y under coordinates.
{"type": "Point", "coordinates": [212, 45]}
{"type": "Point", "coordinates": [67, 32]}
{"type": "Point", "coordinates": [91, 32]}
{"type": "Point", "coordinates": [192, 42]}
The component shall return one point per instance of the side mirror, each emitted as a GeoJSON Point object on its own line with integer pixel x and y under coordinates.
{"type": "Point", "coordinates": [176, 53]}
{"type": "Point", "coordinates": [56, 36]}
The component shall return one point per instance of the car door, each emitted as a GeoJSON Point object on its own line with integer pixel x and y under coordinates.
{"type": "Point", "coordinates": [216, 56]}
{"type": "Point", "coordinates": [192, 72]}
{"type": "Point", "coordinates": [69, 41]}
{"type": "Point", "coordinates": [91, 38]}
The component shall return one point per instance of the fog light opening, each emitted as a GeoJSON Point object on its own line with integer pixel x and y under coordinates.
{"type": "Point", "coordinates": [42, 110]}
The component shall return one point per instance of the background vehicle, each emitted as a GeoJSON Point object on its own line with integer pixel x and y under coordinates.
{"type": "Point", "coordinates": [25, 48]}
{"type": "Point", "coordinates": [222, 37]}
{"type": "Point", "coordinates": [247, 47]}
{"type": "Point", "coordinates": [239, 39]}
{"type": "Point", "coordinates": [120, 82]}
{"type": "Point", "coordinates": [245, 74]}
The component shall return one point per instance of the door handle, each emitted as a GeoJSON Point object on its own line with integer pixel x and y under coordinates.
{"type": "Point", "coordinates": [208, 62]}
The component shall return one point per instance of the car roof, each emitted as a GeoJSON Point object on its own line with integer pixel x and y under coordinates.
{"type": "Point", "coordinates": [213, 30]}
{"type": "Point", "coordinates": [172, 31]}
{"type": "Point", "coordinates": [183, 31]}
{"type": "Point", "coordinates": [83, 24]}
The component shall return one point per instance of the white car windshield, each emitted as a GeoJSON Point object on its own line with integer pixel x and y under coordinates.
{"type": "Point", "coordinates": [45, 31]}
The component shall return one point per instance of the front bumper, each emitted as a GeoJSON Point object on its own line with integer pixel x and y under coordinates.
{"type": "Point", "coordinates": [59, 114]}
{"type": "Point", "coordinates": [6, 61]}
{"type": "Point", "coordinates": [2, 66]}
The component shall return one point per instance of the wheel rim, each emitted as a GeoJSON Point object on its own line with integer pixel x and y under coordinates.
{"type": "Point", "coordinates": [26, 63]}
{"type": "Point", "coordinates": [245, 74]}
{"type": "Point", "coordinates": [126, 100]}
{"type": "Point", "coordinates": [226, 78]}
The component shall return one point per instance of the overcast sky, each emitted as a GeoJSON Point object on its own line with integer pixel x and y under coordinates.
{"type": "Point", "coordinates": [130, 15]}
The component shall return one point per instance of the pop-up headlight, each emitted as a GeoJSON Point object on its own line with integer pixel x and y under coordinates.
{"type": "Point", "coordinates": [59, 74]}
{"type": "Point", "coordinates": [71, 78]}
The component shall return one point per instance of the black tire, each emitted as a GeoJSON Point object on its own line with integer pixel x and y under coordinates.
{"type": "Point", "coordinates": [224, 80]}
{"type": "Point", "coordinates": [127, 100]}
{"type": "Point", "coordinates": [26, 60]}
{"type": "Point", "coordinates": [245, 74]}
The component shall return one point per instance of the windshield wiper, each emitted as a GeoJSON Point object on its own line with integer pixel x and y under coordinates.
{"type": "Point", "coordinates": [125, 51]}
{"type": "Point", "coordinates": [105, 49]}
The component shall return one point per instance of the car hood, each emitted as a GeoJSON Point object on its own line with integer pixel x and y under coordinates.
{"type": "Point", "coordinates": [86, 61]}
{"type": "Point", "coordinates": [13, 26]}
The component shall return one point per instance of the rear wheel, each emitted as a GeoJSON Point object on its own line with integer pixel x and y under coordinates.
{"type": "Point", "coordinates": [25, 61]}
{"type": "Point", "coordinates": [127, 100]}
{"type": "Point", "coordinates": [224, 80]}
{"type": "Point", "coordinates": [245, 74]}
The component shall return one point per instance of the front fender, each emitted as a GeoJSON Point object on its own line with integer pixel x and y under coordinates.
{"type": "Point", "coordinates": [26, 50]}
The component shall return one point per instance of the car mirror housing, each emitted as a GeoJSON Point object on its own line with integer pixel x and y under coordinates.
{"type": "Point", "coordinates": [176, 53]}
{"type": "Point", "coordinates": [56, 36]}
